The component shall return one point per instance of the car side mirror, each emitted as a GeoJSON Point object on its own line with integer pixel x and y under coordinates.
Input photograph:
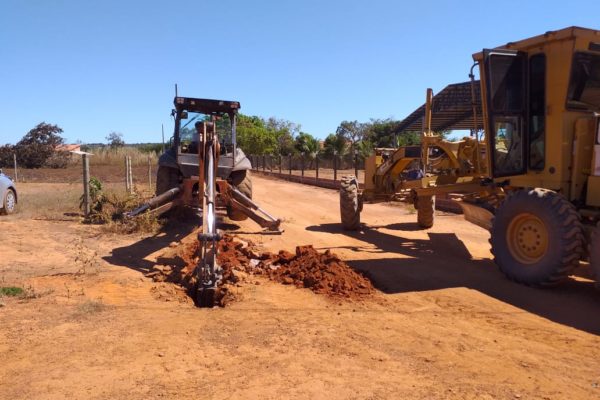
{"type": "Point", "coordinates": [184, 115]}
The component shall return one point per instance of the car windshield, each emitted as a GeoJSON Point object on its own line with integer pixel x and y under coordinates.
{"type": "Point", "coordinates": [584, 85]}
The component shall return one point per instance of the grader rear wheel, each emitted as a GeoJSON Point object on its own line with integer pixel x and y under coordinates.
{"type": "Point", "coordinates": [425, 206]}
{"type": "Point", "coordinates": [536, 237]}
{"type": "Point", "coordinates": [350, 204]}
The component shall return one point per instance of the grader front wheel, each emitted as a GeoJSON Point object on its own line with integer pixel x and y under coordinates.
{"type": "Point", "coordinates": [425, 206]}
{"type": "Point", "coordinates": [536, 237]}
{"type": "Point", "coordinates": [350, 204]}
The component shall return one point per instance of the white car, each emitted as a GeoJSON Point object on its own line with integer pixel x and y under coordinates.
{"type": "Point", "coordinates": [8, 195]}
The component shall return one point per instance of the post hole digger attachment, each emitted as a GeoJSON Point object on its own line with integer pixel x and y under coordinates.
{"type": "Point", "coordinates": [205, 169]}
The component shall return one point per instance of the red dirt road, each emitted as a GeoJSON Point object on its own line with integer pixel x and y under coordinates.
{"type": "Point", "coordinates": [446, 324]}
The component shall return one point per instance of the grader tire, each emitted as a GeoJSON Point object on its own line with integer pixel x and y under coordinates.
{"type": "Point", "coordinates": [241, 180]}
{"type": "Point", "coordinates": [594, 252]}
{"type": "Point", "coordinates": [350, 205]}
{"type": "Point", "coordinates": [536, 237]}
{"type": "Point", "coordinates": [425, 206]}
{"type": "Point", "coordinates": [166, 178]}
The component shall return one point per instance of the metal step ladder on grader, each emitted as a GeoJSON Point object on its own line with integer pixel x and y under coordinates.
{"type": "Point", "coordinates": [534, 183]}
{"type": "Point", "coordinates": [204, 169]}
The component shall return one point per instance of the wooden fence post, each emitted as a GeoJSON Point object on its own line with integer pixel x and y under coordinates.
{"type": "Point", "coordinates": [302, 167]}
{"type": "Point", "coordinates": [335, 166]}
{"type": "Point", "coordinates": [15, 160]}
{"type": "Point", "coordinates": [130, 176]}
{"type": "Point", "coordinates": [86, 185]}
{"type": "Point", "coordinates": [127, 174]}
{"type": "Point", "coordinates": [356, 163]}
{"type": "Point", "coordinates": [290, 156]}
{"type": "Point", "coordinates": [149, 174]}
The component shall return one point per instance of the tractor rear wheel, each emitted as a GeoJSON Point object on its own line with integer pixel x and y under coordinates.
{"type": "Point", "coordinates": [536, 237]}
{"type": "Point", "coordinates": [241, 181]}
{"type": "Point", "coordinates": [166, 178]}
{"type": "Point", "coordinates": [350, 204]}
{"type": "Point", "coordinates": [425, 206]}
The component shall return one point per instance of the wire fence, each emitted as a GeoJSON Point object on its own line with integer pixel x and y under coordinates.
{"type": "Point", "coordinates": [321, 168]}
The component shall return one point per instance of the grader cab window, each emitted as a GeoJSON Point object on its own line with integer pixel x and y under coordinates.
{"type": "Point", "coordinates": [584, 85]}
{"type": "Point", "coordinates": [508, 141]}
{"type": "Point", "coordinates": [537, 112]}
{"type": "Point", "coordinates": [505, 82]}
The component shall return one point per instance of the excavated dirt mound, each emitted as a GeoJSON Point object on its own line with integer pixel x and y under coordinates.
{"type": "Point", "coordinates": [323, 273]}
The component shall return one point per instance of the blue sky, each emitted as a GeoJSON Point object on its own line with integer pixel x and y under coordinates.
{"type": "Point", "coordinates": [103, 66]}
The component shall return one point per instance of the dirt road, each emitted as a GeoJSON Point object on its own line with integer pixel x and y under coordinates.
{"type": "Point", "coordinates": [446, 325]}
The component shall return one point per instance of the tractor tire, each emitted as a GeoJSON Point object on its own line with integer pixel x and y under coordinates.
{"type": "Point", "coordinates": [166, 178]}
{"type": "Point", "coordinates": [536, 237]}
{"type": "Point", "coordinates": [241, 181]}
{"type": "Point", "coordinates": [350, 204]}
{"type": "Point", "coordinates": [10, 203]}
{"type": "Point", "coordinates": [425, 206]}
{"type": "Point", "coordinates": [594, 252]}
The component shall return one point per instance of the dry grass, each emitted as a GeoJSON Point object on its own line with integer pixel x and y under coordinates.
{"type": "Point", "coordinates": [90, 307]}
{"type": "Point", "coordinates": [48, 200]}
{"type": "Point", "coordinates": [108, 156]}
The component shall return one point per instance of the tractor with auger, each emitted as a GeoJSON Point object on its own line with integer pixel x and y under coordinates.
{"type": "Point", "coordinates": [205, 169]}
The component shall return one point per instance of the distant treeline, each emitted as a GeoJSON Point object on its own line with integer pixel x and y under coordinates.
{"type": "Point", "coordinates": [255, 135]}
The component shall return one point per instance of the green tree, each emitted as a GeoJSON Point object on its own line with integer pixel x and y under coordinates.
{"type": "Point", "coordinates": [38, 145]}
{"type": "Point", "coordinates": [254, 137]}
{"type": "Point", "coordinates": [307, 144]}
{"type": "Point", "coordinates": [334, 144]}
{"type": "Point", "coordinates": [115, 140]}
{"type": "Point", "coordinates": [352, 131]}
{"type": "Point", "coordinates": [410, 138]}
{"type": "Point", "coordinates": [381, 132]}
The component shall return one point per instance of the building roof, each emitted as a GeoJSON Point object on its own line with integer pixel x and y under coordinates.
{"type": "Point", "coordinates": [452, 109]}
{"type": "Point", "coordinates": [68, 147]}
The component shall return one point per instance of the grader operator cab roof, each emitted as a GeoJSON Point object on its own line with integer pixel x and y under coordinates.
{"type": "Point", "coordinates": [206, 106]}
{"type": "Point", "coordinates": [452, 108]}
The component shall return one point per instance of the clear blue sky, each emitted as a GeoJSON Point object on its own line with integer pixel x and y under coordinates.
{"type": "Point", "coordinates": [94, 67]}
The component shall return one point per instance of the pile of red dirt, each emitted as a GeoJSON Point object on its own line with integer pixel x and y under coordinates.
{"type": "Point", "coordinates": [323, 273]}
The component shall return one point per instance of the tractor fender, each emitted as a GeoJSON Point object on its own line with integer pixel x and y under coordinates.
{"type": "Point", "coordinates": [167, 159]}
{"type": "Point", "coordinates": [241, 161]}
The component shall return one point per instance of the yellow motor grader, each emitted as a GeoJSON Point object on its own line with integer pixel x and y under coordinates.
{"type": "Point", "coordinates": [396, 174]}
{"type": "Point", "coordinates": [539, 188]}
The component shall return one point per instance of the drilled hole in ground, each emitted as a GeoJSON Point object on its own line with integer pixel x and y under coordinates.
{"type": "Point", "coordinates": [323, 273]}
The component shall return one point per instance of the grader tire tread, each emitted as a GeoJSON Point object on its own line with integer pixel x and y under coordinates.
{"type": "Point", "coordinates": [594, 252]}
{"type": "Point", "coordinates": [425, 211]}
{"type": "Point", "coordinates": [565, 237]}
{"type": "Point", "coordinates": [350, 204]}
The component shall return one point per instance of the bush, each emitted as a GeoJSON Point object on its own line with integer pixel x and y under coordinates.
{"type": "Point", "coordinates": [6, 156]}
{"type": "Point", "coordinates": [58, 159]}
